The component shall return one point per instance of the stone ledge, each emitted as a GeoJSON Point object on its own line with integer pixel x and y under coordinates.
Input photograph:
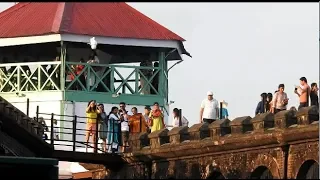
{"type": "Point", "coordinates": [241, 125]}
{"type": "Point", "coordinates": [178, 134]}
{"type": "Point", "coordinates": [307, 115]}
{"type": "Point", "coordinates": [220, 128]}
{"type": "Point", "coordinates": [263, 121]}
{"type": "Point", "coordinates": [199, 131]}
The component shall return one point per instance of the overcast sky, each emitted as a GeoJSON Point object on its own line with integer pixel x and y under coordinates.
{"type": "Point", "coordinates": [239, 51]}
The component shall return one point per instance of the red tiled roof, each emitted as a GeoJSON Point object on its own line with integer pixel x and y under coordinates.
{"type": "Point", "coordinates": [94, 19]}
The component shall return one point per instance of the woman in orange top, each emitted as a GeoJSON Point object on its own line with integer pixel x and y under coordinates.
{"type": "Point", "coordinates": [137, 122]}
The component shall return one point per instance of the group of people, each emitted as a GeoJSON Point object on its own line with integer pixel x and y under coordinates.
{"type": "Point", "coordinates": [278, 101]}
{"type": "Point", "coordinates": [116, 126]}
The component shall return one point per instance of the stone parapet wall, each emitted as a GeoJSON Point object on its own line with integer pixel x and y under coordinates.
{"type": "Point", "coordinates": [235, 149]}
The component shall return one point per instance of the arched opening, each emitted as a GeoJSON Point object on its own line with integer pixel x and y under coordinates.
{"type": "Point", "coordinates": [216, 175]}
{"type": "Point", "coordinates": [261, 172]}
{"type": "Point", "coordinates": [309, 170]}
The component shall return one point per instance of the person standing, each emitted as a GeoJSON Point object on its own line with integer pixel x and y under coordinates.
{"type": "Point", "coordinates": [280, 100]}
{"type": "Point", "coordinates": [303, 91]}
{"type": "Point", "coordinates": [113, 130]}
{"type": "Point", "coordinates": [209, 110]}
{"type": "Point", "coordinates": [103, 128]}
{"type": "Point", "coordinates": [224, 111]}
{"type": "Point", "coordinates": [146, 114]}
{"type": "Point", "coordinates": [314, 95]}
{"type": "Point", "coordinates": [137, 123]}
{"type": "Point", "coordinates": [260, 107]}
{"type": "Point", "coordinates": [156, 118]}
{"type": "Point", "coordinates": [92, 115]}
{"type": "Point", "coordinates": [176, 119]}
{"type": "Point", "coordinates": [124, 126]}
{"type": "Point", "coordinates": [147, 73]}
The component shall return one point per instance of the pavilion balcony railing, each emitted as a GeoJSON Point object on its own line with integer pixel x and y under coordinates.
{"type": "Point", "coordinates": [114, 79]}
{"type": "Point", "coordinates": [76, 76]}
{"type": "Point", "coordinates": [32, 76]}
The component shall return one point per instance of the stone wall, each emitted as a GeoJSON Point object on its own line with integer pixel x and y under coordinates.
{"type": "Point", "coordinates": [20, 133]}
{"type": "Point", "coordinates": [243, 148]}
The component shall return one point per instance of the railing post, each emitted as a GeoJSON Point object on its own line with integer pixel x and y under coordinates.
{"type": "Point", "coordinates": [39, 77]}
{"type": "Point", "coordinates": [74, 132]}
{"type": "Point", "coordinates": [221, 110]}
{"type": "Point", "coordinates": [37, 114]}
{"type": "Point", "coordinates": [63, 59]}
{"type": "Point", "coordinates": [19, 78]}
{"type": "Point", "coordinates": [52, 129]}
{"type": "Point", "coordinates": [180, 117]}
{"type": "Point", "coordinates": [112, 79]}
{"type": "Point", "coordinates": [88, 76]}
{"type": "Point", "coordinates": [136, 81]}
{"type": "Point", "coordinates": [28, 105]}
{"type": "Point", "coordinates": [95, 146]}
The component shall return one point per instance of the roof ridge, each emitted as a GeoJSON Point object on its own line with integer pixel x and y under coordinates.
{"type": "Point", "coordinates": [66, 19]}
{"type": "Point", "coordinates": [58, 18]}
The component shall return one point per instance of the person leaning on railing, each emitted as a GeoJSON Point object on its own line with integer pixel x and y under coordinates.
{"type": "Point", "coordinates": [91, 126]}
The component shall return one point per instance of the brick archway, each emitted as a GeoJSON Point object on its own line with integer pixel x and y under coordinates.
{"type": "Point", "coordinates": [262, 172]}
{"type": "Point", "coordinates": [298, 155]}
{"type": "Point", "coordinates": [267, 161]}
{"type": "Point", "coordinates": [308, 170]}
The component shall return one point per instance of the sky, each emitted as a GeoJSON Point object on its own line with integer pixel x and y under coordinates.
{"type": "Point", "coordinates": [239, 50]}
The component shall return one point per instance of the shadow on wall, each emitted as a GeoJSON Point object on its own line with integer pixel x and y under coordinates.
{"type": "Point", "coordinates": [309, 170]}
{"type": "Point", "coordinates": [261, 172]}
{"type": "Point", "coordinates": [216, 175]}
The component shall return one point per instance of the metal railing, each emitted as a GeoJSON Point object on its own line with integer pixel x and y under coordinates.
{"type": "Point", "coordinates": [76, 76]}
{"type": "Point", "coordinates": [74, 130]}
{"type": "Point", "coordinates": [110, 78]}
{"type": "Point", "coordinates": [33, 76]}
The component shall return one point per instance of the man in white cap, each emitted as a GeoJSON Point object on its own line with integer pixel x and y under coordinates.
{"type": "Point", "coordinates": [209, 110]}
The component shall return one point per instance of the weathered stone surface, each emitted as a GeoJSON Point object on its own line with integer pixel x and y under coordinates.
{"type": "Point", "coordinates": [239, 155]}
{"type": "Point", "coordinates": [241, 125]}
{"type": "Point", "coordinates": [178, 134]}
{"type": "Point", "coordinates": [139, 140]}
{"type": "Point", "coordinates": [158, 138]}
{"type": "Point", "coordinates": [199, 131]}
{"type": "Point", "coordinates": [263, 121]}
{"type": "Point", "coordinates": [307, 115]}
{"type": "Point", "coordinates": [284, 119]}
{"type": "Point", "coordinates": [219, 128]}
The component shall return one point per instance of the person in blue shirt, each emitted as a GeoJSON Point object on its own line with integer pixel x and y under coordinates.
{"type": "Point", "coordinates": [260, 106]}
{"type": "Point", "coordinates": [224, 112]}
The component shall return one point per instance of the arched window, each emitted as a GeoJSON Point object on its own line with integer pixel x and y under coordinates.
{"type": "Point", "coordinates": [261, 172]}
{"type": "Point", "coordinates": [309, 170]}
{"type": "Point", "coordinates": [216, 175]}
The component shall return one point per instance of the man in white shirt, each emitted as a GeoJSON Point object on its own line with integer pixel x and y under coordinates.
{"type": "Point", "coordinates": [124, 116]}
{"type": "Point", "coordinates": [209, 110]}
